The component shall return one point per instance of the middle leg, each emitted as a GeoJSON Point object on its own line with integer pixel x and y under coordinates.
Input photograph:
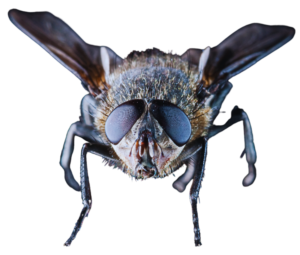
{"type": "Point", "coordinates": [76, 129]}
{"type": "Point", "coordinates": [237, 115]}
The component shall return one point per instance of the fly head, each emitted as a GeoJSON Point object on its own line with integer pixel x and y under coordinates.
{"type": "Point", "coordinates": [147, 136]}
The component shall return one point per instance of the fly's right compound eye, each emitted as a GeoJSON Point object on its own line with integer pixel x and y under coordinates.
{"type": "Point", "coordinates": [121, 120]}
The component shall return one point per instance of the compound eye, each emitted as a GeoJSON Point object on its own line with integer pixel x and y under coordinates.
{"type": "Point", "coordinates": [121, 120]}
{"type": "Point", "coordinates": [173, 120]}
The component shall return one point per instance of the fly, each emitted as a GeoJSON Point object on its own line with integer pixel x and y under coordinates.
{"type": "Point", "coordinates": [152, 112]}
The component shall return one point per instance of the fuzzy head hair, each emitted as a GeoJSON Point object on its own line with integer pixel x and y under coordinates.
{"type": "Point", "coordinates": [154, 75]}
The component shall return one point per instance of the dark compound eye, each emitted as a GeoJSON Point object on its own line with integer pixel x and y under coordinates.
{"type": "Point", "coordinates": [121, 120]}
{"type": "Point", "coordinates": [173, 120]}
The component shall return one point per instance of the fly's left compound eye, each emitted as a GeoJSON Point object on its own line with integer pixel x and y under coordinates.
{"type": "Point", "coordinates": [121, 120]}
{"type": "Point", "coordinates": [173, 120]}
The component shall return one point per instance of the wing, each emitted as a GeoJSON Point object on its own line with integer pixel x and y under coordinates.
{"type": "Point", "coordinates": [62, 43]}
{"type": "Point", "coordinates": [239, 51]}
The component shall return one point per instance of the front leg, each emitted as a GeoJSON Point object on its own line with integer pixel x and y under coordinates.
{"type": "Point", "coordinates": [199, 164]}
{"type": "Point", "coordinates": [237, 115]}
{"type": "Point", "coordinates": [86, 195]}
{"type": "Point", "coordinates": [76, 129]}
{"type": "Point", "coordinates": [215, 102]}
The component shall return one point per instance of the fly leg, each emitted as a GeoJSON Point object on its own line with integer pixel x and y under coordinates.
{"type": "Point", "coordinates": [83, 131]}
{"type": "Point", "coordinates": [86, 195]}
{"type": "Point", "coordinates": [237, 115]}
{"type": "Point", "coordinates": [199, 164]}
{"type": "Point", "coordinates": [215, 102]}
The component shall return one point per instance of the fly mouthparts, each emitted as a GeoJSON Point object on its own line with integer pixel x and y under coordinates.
{"type": "Point", "coordinates": [143, 172]}
{"type": "Point", "coordinates": [151, 147]}
{"type": "Point", "coordinates": [142, 145]}
{"type": "Point", "coordinates": [146, 144]}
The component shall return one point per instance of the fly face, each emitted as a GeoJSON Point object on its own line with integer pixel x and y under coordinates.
{"type": "Point", "coordinates": [148, 115]}
{"type": "Point", "coordinates": [148, 136]}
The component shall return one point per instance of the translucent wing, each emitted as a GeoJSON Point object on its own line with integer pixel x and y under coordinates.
{"type": "Point", "coordinates": [239, 51]}
{"type": "Point", "coordinates": [61, 42]}
{"type": "Point", "coordinates": [242, 49]}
